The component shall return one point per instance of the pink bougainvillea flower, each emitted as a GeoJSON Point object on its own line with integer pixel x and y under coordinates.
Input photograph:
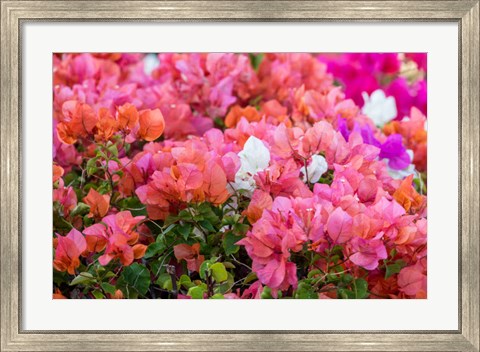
{"type": "Point", "coordinates": [367, 253]}
{"type": "Point", "coordinates": [270, 241]}
{"type": "Point", "coordinates": [412, 280]}
{"type": "Point", "coordinates": [117, 248]}
{"type": "Point", "coordinates": [339, 226]}
{"type": "Point", "coordinates": [116, 234]}
{"type": "Point", "coordinates": [66, 197]}
{"type": "Point", "coordinates": [68, 251]}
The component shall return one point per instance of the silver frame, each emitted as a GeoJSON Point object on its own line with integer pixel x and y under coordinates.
{"type": "Point", "coordinates": [465, 13]}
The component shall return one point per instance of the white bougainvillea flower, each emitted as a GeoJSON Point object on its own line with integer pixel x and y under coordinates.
{"type": "Point", "coordinates": [401, 174]}
{"type": "Point", "coordinates": [254, 157]}
{"type": "Point", "coordinates": [380, 108]}
{"type": "Point", "coordinates": [317, 167]}
{"type": "Point", "coordinates": [150, 62]}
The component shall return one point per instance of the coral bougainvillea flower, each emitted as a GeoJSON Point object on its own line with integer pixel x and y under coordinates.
{"type": "Point", "coordinates": [99, 204]}
{"type": "Point", "coordinates": [191, 254]}
{"type": "Point", "coordinates": [152, 124]}
{"type": "Point", "coordinates": [68, 251]}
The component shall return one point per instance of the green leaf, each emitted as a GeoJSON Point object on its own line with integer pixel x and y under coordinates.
{"type": "Point", "coordinates": [207, 225]}
{"type": "Point", "coordinates": [347, 278]}
{"type": "Point", "coordinates": [92, 166]}
{"type": "Point", "coordinates": [134, 205]}
{"type": "Point", "coordinates": [185, 230]}
{"type": "Point", "coordinates": [108, 288]}
{"type": "Point", "coordinates": [250, 277]}
{"type": "Point", "coordinates": [98, 294]}
{"type": "Point", "coordinates": [80, 209]}
{"type": "Point", "coordinates": [217, 296]}
{"type": "Point", "coordinates": [113, 149]}
{"type": "Point", "coordinates": [240, 229]}
{"type": "Point", "coordinates": [360, 287]}
{"type": "Point", "coordinates": [185, 281]}
{"type": "Point", "coordinates": [196, 292]}
{"type": "Point", "coordinates": [229, 265]}
{"type": "Point", "coordinates": [87, 221]}
{"type": "Point", "coordinates": [219, 272]}
{"type": "Point", "coordinates": [313, 273]}
{"type": "Point", "coordinates": [255, 60]}
{"type": "Point", "coordinates": [136, 276]}
{"type": "Point", "coordinates": [109, 274]}
{"type": "Point", "coordinates": [394, 268]}
{"type": "Point", "coordinates": [305, 291]}
{"type": "Point", "coordinates": [229, 241]}
{"type": "Point", "coordinates": [59, 223]}
{"type": "Point", "coordinates": [266, 293]}
{"type": "Point", "coordinates": [204, 269]}
{"type": "Point", "coordinates": [82, 278]}
{"type": "Point", "coordinates": [153, 249]}
{"type": "Point", "coordinates": [165, 232]}
{"type": "Point", "coordinates": [165, 281]}
{"type": "Point", "coordinates": [219, 122]}
{"type": "Point", "coordinates": [343, 293]}
{"type": "Point", "coordinates": [225, 286]}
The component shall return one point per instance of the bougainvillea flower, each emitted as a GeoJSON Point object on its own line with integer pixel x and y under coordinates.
{"type": "Point", "coordinates": [117, 248]}
{"type": "Point", "coordinates": [339, 226]}
{"type": "Point", "coordinates": [66, 197]}
{"type": "Point", "coordinates": [215, 183]}
{"type": "Point", "coordinates": [58, 294]}
{"type": "Point", "coordinates": [412, 280]}
{"type": "Point", "coordinates": [393, 150]}
{"type": "Point", "coordinates": [270, 241]}
{"type": "Point", "coordinates": [260, 200]}
{"type": "Point", "coordinates": [367, 253]}
{"type": "Point", "coordinates": [380, 108]}
{"type": "Point", "coordinates": [317, 167]}
{"type": "Point", "coordinates": [116, 234]}
{"type": "Point", "coordinates": [408, 197]}
{"type": "Point", "coordinates": [79, 120]}
{"type": "Point", "coordinates": [237, 112]}
{"type": "Point", "coordinates": [127, 116]}
{"type": "Point", "coordinates": [99, 203]}
{"type": "Point", "coordinates": [57, 172]}
{"type": "Point", "coordinates": [68, 251]}
{"type": "Point", "coordinates": [254, 157]}
{"type": "Point", "coordinates": [152, 124]}
{"type": "Point", "coordinates": [191, 254]}
{"type": "Point", "coordinates": [270, 165]}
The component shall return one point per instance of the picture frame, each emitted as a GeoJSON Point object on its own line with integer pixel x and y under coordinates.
{"type": "Point", "coordinates": [15, 13]}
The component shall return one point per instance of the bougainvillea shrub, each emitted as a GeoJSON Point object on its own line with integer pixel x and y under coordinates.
{"type": "Point", "coordinates": [239, 176]}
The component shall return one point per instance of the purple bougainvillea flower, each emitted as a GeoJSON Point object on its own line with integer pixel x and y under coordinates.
{"type": "Point", "coordinates": [394, 150]}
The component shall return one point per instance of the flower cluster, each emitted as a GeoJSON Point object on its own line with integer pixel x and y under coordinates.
{"type": "Point", "coordinates": [239, 176]}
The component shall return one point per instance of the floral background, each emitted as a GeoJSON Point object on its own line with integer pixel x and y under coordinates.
{"type": "Point", "coordinates": [240, 176]}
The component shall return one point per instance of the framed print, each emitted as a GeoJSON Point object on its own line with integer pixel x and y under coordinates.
{"type": "Point", "coordinates": [294, 175]}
